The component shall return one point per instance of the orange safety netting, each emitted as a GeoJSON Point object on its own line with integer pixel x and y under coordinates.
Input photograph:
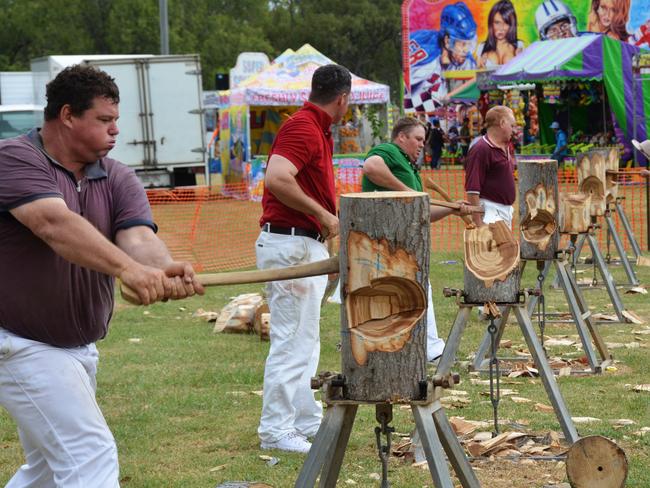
{"type": "Point", "coordinates": [215, 228]}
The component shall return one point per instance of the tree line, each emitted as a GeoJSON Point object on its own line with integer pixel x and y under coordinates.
{"type": "Point", "coordinates": [363, 35]}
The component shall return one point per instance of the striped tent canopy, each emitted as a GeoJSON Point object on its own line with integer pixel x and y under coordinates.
{"type": "Point", "coordinates": [588, 57]}
{"type": "Point", "coordinates": [287, 82]}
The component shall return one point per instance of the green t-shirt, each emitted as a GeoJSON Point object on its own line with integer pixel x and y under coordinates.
{"type": "Point", "coordinates": [398, 163]}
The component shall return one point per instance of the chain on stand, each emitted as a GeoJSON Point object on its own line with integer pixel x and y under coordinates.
{"type": "Point", "coordinates": [495, 386]}
{"type": "Point", "coordinates": [384, 416]}
{"type": "Point", "coordinates": [541, 302]}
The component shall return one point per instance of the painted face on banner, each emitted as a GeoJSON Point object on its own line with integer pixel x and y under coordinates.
{"type": "Point", "coordinates": [500, 27]}
{"type": "Point", "coordinates": [560, 30]}
{"type": "Point", "coordinates": [606, 13]}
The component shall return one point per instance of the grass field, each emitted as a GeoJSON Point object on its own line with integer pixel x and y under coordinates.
{"type": "Point", "coordinates": [183, 402]}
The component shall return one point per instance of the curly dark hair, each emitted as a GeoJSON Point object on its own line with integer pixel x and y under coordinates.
{"type": "Point", "coordinates": [328, 82]}
{"type": "Point", "coordinates": [78, 86]}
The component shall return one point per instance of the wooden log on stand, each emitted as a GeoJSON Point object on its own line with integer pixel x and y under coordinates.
{"type": "Point", "coordinates": [538, 209]}
{"type": "Point", "coordinates": [384, 255]}
{"type": "Point", "coordinates": [492, 271]}
{"type": "Point", "coordinates": [575, 213]}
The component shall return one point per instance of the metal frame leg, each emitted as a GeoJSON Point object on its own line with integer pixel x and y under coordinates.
{"type": "Point", "coordinates": [332, 466]}
{"type": "Point", "coordinates": [454, 450]}
{"type": "Point", "coordinates": [610, 285]}
{"type": "Point", "coordinates": [579, 244]}
{"type": "Point", "coordinates": [546, 374]}
{"type": "Point", "coordinates": [453, 340]}
{"type": "Point", "coordinates": [423, 415]}
{"type": "Point", "coordinates": [628, 229]}
{"type": "Point", "coordinates": [579, 315]}
{"type": "Point", "coordinates": [611, 229]}
{"type": "Point", "coordinates": [587, 317]}
{"type": "Point", "coordinates": [486, 342]}
{"type": "Point", "coordinates": [321, 453]}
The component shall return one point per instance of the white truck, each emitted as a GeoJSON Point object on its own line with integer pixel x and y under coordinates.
{"type": "Point", "coordinates": [16, 88]}
{"type": "Point", "coordinates": [162, 135]}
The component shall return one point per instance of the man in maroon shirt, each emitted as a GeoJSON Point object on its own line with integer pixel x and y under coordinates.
{"type": "Point", "coordinates": [299, 214]}
{"type": "Point", "coordinates": [489, 179]}
{"type": "Point", "coordinates": [71, 220]}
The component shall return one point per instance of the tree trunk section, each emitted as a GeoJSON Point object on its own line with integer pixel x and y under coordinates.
{"type": "Point", "coordinates": [538, 209]}
{"type": "Point", "coordinates": [593, 180]}
{"type": "Point", "coordinates": [575, 213]}
{"type": "Point", "coordinates": [491, 264]}
{"type": "Point", "coordinates": [596, 462]}
{"type": "Point", "coordinates": [384, 263]}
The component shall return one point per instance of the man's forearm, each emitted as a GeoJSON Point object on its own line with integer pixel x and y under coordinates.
{"type": "Point", "coordinates": [75, 239]}
{"type": "Point", "coordinates": [145, 247]}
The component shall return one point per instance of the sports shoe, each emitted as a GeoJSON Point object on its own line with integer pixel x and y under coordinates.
{"type": "Point", "coordinates": [292, 442]}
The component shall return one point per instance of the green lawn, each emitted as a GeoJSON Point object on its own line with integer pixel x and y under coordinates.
{"type": "Point", "coordinates": [182, 405]}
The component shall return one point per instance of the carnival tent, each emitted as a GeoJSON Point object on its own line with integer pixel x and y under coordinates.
{"type": "Point", "coordinates": [468, 92]}
{"type": "Point", "coordinates": [589, 57]}
{"type": "Point", "coordinates": [287, 82]}
{"type": "Point", "coordinates": [259, 105]}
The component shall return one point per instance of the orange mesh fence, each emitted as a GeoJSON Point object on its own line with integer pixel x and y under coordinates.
{"type": "Point", "coordinates": [215, 228]}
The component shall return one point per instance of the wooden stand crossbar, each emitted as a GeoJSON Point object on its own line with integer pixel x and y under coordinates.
{"type": "Point", "coordinates": [585, 324]}
{"type": "Point", "coordinates": [534, 346]}
{"type": "Point", "coordinates": [432, 426]}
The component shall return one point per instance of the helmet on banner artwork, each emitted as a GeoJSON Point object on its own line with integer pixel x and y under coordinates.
{"type": "Point", "coordinates": [555, 20]}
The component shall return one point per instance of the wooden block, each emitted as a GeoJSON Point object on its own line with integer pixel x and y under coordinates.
{"type": "Point", "coordinates": [491, 264]}
{"type": "Point", "coordinates": [538, 209]}
{"type": "Point", "coordinates": [574, 213]}
{"type": "Point", "coordinates": [384, 263]}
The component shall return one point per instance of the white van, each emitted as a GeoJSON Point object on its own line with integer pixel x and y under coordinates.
{"type": "Point", "coordinates": [18, 119]}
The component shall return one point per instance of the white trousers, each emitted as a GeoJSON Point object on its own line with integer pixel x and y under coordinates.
{"type": "Point", "coordinates": [496, 211]}
{"type": "Point", "coordinates": [288, 404]}
{"type": "Point", "coordinates": [435, 345]}
{"type": "Point", "coordinates": [50, 394]}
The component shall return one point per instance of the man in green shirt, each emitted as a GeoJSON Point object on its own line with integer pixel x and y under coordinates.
{"type": "Point", "coordinates": [391, 167]}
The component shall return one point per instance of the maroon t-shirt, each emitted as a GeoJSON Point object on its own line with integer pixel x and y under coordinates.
{"type": "Point", "coordinates": [44, 297]}
{"type": "Point", "coordinates": [489, 172]}
{"type": "Point", "coordinates": [305, 140]}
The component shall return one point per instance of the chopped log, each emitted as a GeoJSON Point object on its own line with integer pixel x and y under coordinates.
{"type": "Point", "coordinates": [596, 462]}
{"type": "Point", "coordinates": [491, 264]}
{"type": "Point", "coordinates": [238, 315]}
{"type": "Point", "coordinates": [538, 209]}
{"type": "Point", "coordinates": [575, 213]}
{"type": "Point", "coordinates": [262, 322]}
{"type": "Point", "coordinates": [384, 256]}
{"type": "Point", "coordinates": [593, 178]}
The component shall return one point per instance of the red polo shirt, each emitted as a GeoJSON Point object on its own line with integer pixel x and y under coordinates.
{"type": "Point", "coordinates": [305, 140]}
{"type": "Point", "coordinates": [489, 172]}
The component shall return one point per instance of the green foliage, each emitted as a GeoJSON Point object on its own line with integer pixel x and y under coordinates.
{"type": "Point", "coordinates": [363, 35]}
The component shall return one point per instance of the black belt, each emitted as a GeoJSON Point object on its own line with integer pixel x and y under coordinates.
{"type": "Point", "coordinates": [293, 231]}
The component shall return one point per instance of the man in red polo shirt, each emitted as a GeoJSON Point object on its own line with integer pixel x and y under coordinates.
{"type": "Point", "coordinates": [489, 179]}
{"type": "Point", "coordinates": [299, 214]}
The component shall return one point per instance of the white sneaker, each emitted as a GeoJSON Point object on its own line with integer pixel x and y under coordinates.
{"type": "Point", "coordinates": [292, 442]}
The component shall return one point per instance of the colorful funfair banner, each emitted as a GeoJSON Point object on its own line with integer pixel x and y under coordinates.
{"type": "Point", "coordinates": [446, 39]}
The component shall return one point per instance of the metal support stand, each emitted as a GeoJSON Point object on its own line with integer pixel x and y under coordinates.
{"type": "Point", "coordinates": [610, 285]}
{"type": "Point", "coordinates": [613, 233]}
{"type": "Point", "coordinates": [432, 427]}
{"type": "Point", "coordinates": [534, 346]}
{"type": "Point", "coordinates": [636, 249]}
{"type": "Point", "coordinates": [585, 324]}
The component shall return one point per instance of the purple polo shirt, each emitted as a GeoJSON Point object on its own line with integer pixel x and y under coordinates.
{"type": "Point", "coordinates": [489, 172]}
{"type": "Point", "coordinates": [44, 297]}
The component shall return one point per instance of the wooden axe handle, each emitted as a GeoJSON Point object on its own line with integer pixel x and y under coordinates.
{"type": "Point", "coordinates": [326, 266]}
{"type": "Point", "coordinates": [456, 206]}
{"type": "Point", "coordinates": [469, 223]}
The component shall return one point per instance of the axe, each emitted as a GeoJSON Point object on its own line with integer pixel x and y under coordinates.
{"type": "Point", "coordinates": [469, 223]}
{"type": "Point", "coordinates": [326, 266]}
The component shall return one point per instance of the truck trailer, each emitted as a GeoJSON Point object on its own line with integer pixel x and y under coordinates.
{"type": "Point", "coordinates": [162, 135]}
